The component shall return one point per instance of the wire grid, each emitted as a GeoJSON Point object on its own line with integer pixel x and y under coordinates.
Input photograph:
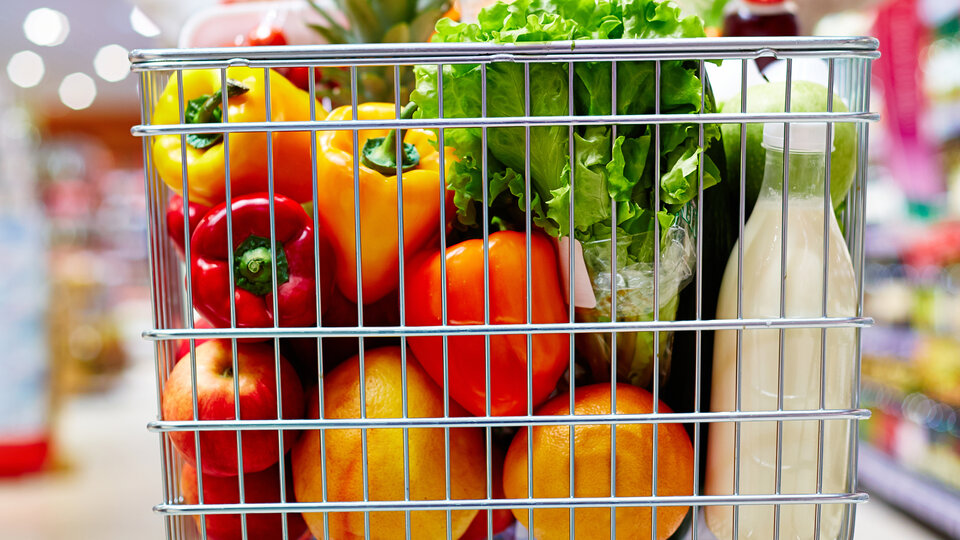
{"type": "Point", "coordinates": [848, 61]}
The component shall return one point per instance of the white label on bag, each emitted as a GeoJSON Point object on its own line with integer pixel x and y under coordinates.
{"type": "Point", "coordinates": [583, 296]}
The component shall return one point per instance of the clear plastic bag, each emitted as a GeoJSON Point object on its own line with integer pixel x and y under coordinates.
{"type": "Point", "coordinates": [635, 300]}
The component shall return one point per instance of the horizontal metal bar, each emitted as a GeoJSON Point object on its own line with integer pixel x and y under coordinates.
{"type": "Point", "coordinates": [626, 56]}
{"type": "Point", "coordinates": [160, 426]}
{"type": "Point", "coordinates": [436, 123]}
{"type": "Point", "coordinates": [502, 329]}
{"type": "Point", "coordinates": [556, 51]}
{"type": "Point", "coordinates": [465, 504]}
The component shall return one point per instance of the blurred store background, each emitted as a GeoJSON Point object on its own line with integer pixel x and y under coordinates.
{"type": "Point", "coordinates": [77, 384]}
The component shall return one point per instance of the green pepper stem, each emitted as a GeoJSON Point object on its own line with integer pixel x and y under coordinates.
{"type": "Point", "coordinates": [255, 265]}
{"type": "Point", "coordinates": [254, 262]}
{"type": "Point", "coordinates": [389, 143]}
{"type": "Point", "coordinates": [205, 113]}
{"type": "Point", "coordinates": [381, 154]}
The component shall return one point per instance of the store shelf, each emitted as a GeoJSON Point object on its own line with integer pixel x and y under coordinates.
{"type": "Point", "coordinates": [925, 499]}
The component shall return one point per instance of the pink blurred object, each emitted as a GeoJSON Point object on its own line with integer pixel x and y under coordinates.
{"type": "Point", "coordinates": [219, 25]}
{"type": "Point", "coordinates": [911, 155]}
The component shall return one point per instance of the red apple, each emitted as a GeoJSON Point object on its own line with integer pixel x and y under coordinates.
{"type": "Point", "coordinates": [259, 487]}
{"type": "Point", "coordinates": [502, 518]}
{"type": "Point", "coordinates": [215, 401]}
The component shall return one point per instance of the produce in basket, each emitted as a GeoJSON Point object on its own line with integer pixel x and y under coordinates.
{"type": "Point", "coordinates": [382, 379]}
{"type": "Point", "coordinates": [375, 21]}
{"type": "Point", "coordinates": [620, 168]}
{"type": "Point", "coordinates": [183, 346]}
{"type": "Point", "coordinates": [253, 264]}
{"type": "Point", "coordinates": [206, 154]}
{"type": "Point", "coordinates": [634, 455]}
{"type": "Point", "coordinates": [501, 517]}
{"type": "Point", "coordinates": [341, 313]}
{"type": "Point", "coordinates": [257, 380]}
{"type": "Point", "coordinates": [336, 209]}
{"type": "Point", "coordinates": [806, 97]}
{"type": "Point", "coordinates": [258, 487]}
{"type": "Point", "coordinates": [465, 305]}
{"type": "Point", "coordinates": [195, 213]}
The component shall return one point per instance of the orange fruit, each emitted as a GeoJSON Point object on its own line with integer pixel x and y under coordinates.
{"type": "Point", "coordinates": [341, 398]}
{"type": "Point", "coordinates": [551, 467]}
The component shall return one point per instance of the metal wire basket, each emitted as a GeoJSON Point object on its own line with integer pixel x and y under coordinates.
{"type": "Point", "coordinates": [848, 62]}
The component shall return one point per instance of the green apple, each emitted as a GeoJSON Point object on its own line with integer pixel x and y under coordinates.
{"type": "Point", "coordinates": [768, 98]}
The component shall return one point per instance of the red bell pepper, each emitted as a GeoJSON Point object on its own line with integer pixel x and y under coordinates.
{"type": "Point", "coordinates": [253, 264]}
{"type": "Point", "coordinates": [183, 346]}
{"type": "Point", "coordinates": [508, 353]}
{"type": "Point", "coordinates": [195, 212]}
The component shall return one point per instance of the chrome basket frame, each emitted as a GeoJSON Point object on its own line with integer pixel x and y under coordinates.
{"type": "Point", "coordinates": [848, 61]}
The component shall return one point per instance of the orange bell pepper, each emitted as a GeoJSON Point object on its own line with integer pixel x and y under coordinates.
{"type": "Point", "coordinates": [379, 249]}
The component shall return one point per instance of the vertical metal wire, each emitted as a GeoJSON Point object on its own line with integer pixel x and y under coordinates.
{"type": "Point", "coordinates": [740, 226]}
{"type": "Point", "coordinates": [613, 316]}
{"type": "Point", "coordinates": [233, 302]}
{"type": "Point", "coordinates": [571, 291]}
{"type": "Point", "coordinates": [356, 220]}
{"type": "Point", "coordinates": [443, 304]}
{"type": "Point", "coordinates": [268, 106]}
{"type": "Point", "coordinates": [485, 185]}
{"type": "Point", "coordinates": [528, 256]}
{"type": "Point", "coordinates": [698, 353]}
{"type": "Point", "coordinates": [864, 144]}
{"type": "Point", "coordinates": [169, 301]}
{"type": "Point", "coordinates": [189, 290]}
{"type": "Point", "coordinates": [402, 299]}
{"type": "Point", "coordinates": [312, 92]}
{"type": "Point", "coordinates": [153, 262]}
{"type": "Point", "coordinates": [784, 222]}
{"type": "Point", "coordinates": [656, 294]}
{"type": "Point", "coordinates": [827, 211]}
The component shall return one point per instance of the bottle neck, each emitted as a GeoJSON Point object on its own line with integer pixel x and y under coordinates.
{"type": "Point", "coordinates": [762, 8]}
{"type": "Point", "coordinates": [806, 174]}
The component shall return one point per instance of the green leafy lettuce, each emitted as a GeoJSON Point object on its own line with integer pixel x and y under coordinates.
{"type": "Point", "coordinates": [613, 167]}
{"type": "Point", "coordinates": [607, 170]}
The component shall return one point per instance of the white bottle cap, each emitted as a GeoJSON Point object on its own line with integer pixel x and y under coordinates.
{"type": "Point", "coordinates": [804, 137]}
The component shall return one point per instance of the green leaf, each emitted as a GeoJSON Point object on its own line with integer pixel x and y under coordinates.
{"type": "Point", "coordinates": [332, 35]}
{"type": "Point", "coordinates": [605, 170]}
{"type": "Point", "coordinates": [364, 23]}
{"type": "Point", "coordinates": [422, 26]}
{"type": "Point", "coordinates": [399, 33]}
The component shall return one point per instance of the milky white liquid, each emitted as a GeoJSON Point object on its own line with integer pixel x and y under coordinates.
{"type": "Point", "coordinates": [801, 373]}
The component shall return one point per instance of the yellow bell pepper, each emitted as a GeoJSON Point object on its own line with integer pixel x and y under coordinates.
{"type": "Point", "coordinates": [292, 171]}
{"type": "Point", "coordinates": [378, 199]}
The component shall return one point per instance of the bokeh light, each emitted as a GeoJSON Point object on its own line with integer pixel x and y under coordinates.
{"type": "Point", "coordinates": [25, 69]}
{"type": "Point", "coordinates": [47, 27]}
{"type": "Point", "coordinates": [142, 24]}
{"type": "Point", "coordinates": [111, 63]}
{"type": "Point", "coordinates": [78, 91]}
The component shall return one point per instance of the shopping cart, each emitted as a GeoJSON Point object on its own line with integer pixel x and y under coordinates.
{"type": "Point", "coordinates": [847, 62]}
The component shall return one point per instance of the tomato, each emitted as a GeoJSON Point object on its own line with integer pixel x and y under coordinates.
{"type": "Point", "coordinates": [465, 306]}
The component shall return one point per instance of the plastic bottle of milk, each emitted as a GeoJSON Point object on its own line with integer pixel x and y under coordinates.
{"type": "Point", "coordinates": [802, 352]}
